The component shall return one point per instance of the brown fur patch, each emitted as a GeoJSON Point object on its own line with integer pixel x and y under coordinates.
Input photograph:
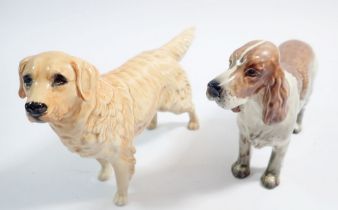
{"type": "Point", "coordinates": [270, 78]}
{"type": "Point", "coordinates": [296, 58]}
{"type": "Point", "coordinates": [264, 59]}
{"type": "Point", "coordinates": [275, 98]}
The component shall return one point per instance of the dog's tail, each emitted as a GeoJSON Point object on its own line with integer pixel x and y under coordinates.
{"type": "Point", "coordinates": [179, 45]}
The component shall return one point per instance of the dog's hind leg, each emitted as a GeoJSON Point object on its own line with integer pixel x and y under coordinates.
{"type": "Point", "coordinates": [181, 101]}
{"type": "Point", "coordinates": [185, 105]}
{"type": "Point", "coordinates": [176, 97]}
{"type": "Point", "coordinates": [106, 170]}
{"type": "Point", "coordinates": [153, 123]}
{"type": "Point", "coordinates": [193, 122]}
{"type": "Point", "coordinates": [298, 127]}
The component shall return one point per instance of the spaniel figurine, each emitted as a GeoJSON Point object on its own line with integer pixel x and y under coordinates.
{"type": "Point", "coordinates": [269, 87]}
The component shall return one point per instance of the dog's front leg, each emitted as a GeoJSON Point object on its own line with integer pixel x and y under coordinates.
{"type": "Point", "coordinates": [241, 168]}
{"type": "Point", "coordinates": [270, 178]}
{"type": "Point", "coordinates": [124, 169]}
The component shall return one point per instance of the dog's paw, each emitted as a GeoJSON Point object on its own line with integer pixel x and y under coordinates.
{"type": "Point", "coordinates": [120, 200]}
{"type": "Point", "coordinates": [297, 129]}
{"type": "Point", "coordinates": [152, 126]}
{"type": "Point", "coordinates": [270, 180]}
{"type": "Point", "coordinates": [240, 171]}
{"type": "Point", "coordinates": [193, 125]}
{"type": "Point", "coordinates": [104, 174]}
{"type": "Point", "coordinates": [103, 177]}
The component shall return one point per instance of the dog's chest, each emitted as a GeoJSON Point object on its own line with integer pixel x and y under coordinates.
{"type": "Point", "coordinates": [259, 140]}
{"type": "Point", "coordinates": [87, 145]}
{"type": "Point", "coordinates": [257, 133]}
{"type": "Point", "coordinates": [257, 136]}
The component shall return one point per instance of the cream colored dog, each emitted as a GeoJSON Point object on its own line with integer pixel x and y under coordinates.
{"type": "Point", "coordinates": [98, 116]}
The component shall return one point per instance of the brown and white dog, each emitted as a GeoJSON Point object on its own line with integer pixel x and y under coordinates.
{"type": "Point", "coordinates": [98, 116]}
{"type": "Point", "coordinates": [268, 86]}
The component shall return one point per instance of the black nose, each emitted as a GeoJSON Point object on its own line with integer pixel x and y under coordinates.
{"type": "Point", "coordinates": [36, 109]}
{"type": "Point", "coordinates": [214, 89]}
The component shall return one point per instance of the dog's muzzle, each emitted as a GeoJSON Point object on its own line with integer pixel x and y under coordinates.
{"type": "Point", "coordinates": [35, 109]}
{"type": "Point", "coordinates": [214, 89]}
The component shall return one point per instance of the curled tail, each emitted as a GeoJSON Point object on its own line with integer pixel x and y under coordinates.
{"type": "Point", "coordinates": [179, 45]}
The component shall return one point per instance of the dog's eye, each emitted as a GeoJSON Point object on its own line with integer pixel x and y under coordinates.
{"type": "Point", "coordinates": [251, 72]}
{"type": "Point", "coordinates": [59, 79]}
{"type": "Point", "coordinates": [27, 80]}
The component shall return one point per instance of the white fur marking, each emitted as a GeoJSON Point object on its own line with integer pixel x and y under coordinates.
{"type": "Point", "coordinates": [228, 74]}
{"type": "Point", "coordinates": [238, 62]}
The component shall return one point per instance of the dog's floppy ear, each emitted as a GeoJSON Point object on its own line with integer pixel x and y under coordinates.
{"type": "Point", "coordinates": [86, 77]}
{"type": "Point", "coordinates": [22, 65]}
{"type": "Point", "coordinates": [275, 98]}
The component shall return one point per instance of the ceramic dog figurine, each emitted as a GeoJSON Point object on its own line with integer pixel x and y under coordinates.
{"type": "Point", "coordinates": [98, 116]}
{"type": "Point", "coordinates": [269, 87]}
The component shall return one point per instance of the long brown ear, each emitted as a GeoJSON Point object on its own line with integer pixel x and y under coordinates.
{"type": "Point", "coordinates": [22, 65]}
{"type": "Point", "coordinates": [86, 77]}
{"type": "Point", "coordinates": [275, 98]}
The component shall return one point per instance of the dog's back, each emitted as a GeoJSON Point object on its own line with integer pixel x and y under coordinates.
{"type": "Point", "coordinates": [298, 58]}
{"type": "Point", "coordinates": [155, 79]}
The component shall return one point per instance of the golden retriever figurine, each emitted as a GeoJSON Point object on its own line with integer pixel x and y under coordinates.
{"type": "Point", "coordinates": [99, 115]}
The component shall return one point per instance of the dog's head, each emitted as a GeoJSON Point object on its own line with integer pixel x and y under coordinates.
{"type": "Point", "coordinates": [55, 84]}
{"type": "Point", "coordinates": [253, 69]}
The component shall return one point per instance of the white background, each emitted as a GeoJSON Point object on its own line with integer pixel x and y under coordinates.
{"type": "Point", "coordinates": [176, 168]}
